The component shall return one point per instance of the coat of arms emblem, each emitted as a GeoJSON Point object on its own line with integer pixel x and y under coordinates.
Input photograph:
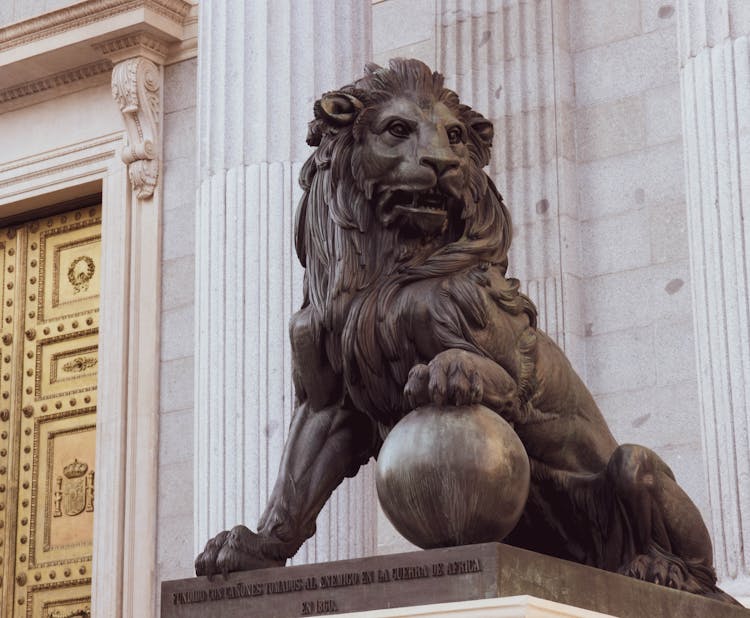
{"type": "Point", "coordinates": [74, 494]}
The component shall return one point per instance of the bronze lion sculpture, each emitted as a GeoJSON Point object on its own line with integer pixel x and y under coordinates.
{"type": "Point", "coordinates": [404, 239]}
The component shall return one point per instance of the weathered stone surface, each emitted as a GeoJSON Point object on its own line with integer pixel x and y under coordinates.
{"type": "Point", "coordinates": [435, 576]}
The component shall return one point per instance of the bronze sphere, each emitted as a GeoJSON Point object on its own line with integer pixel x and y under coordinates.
{"type": "Point", "coordinates": [451, 476]}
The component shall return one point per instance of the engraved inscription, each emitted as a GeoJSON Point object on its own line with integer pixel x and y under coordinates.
{"type": "Point", "coordinates": [235, 591]}
{"type": "Point", "coordinates": [330, 581]}
{"type": "Point", "coordinates": [321, 606]}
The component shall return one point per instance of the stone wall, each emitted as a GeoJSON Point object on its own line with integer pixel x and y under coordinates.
{"type": "Point", "coordinates": [405, 29]}
{"type": "Point", "coordinates": [640, 355]}
{"type": "Point", "coordinates": [175, 507]}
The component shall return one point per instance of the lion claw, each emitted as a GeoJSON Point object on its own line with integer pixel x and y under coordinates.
{"type": "Point", "coordinates": [238, 549]}
{"type": "Point", "coordinates": [205, 563]}
{"type": "Point", "coordinates": [416, 391]}
{"type": "Point", "coordinates": [451, 378]}
{"type": "Point", "coordinates": [660, 570]}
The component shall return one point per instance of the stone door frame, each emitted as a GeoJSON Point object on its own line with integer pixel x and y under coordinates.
{"type": "Point", "coordinates": [124, 561]}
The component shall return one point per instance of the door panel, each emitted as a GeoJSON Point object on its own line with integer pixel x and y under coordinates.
{"type": "Point", "coordinates": [52, 422]}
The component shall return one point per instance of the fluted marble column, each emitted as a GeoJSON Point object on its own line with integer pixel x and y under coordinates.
{"type": "Point", "coordinates": [261, 67]}
{"type": "Point", "coordinates": [715, 85]}
{"type": "Point", "coordinates": [510, 60]}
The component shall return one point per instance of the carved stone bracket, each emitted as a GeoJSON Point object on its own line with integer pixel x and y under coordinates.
{"type": "Point", "coordinates": [136, 86]}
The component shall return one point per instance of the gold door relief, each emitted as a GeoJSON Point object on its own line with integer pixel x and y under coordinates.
{"type": "Point", "coordinates": [50, 322]}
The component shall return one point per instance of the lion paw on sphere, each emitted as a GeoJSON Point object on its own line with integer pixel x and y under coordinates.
{"type": "Point", "coordinates": [404, 240]}
{"type": "Point", "coordinates": [458, 378]}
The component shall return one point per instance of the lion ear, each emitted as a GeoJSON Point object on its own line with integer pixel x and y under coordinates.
{"type": "Point", "coordinates": [337, 108]}
{"type": "Point", "coordinates": [484, 130]}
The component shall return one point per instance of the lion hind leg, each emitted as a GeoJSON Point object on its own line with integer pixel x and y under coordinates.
{"type": "Point", "coordinates": [668, 570]}
{"type": "Point", "coordinates": [670, 544]}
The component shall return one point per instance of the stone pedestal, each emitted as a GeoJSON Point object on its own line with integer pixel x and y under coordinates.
{"type": "Point", "coordinates": [715, 86]}
{"type": "Point", "coordinates": [489, 571]}
{"type": "Point", "coordinates": [262, 65]}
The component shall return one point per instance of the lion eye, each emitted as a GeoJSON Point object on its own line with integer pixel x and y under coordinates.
{"type": "Point", "coordinates": [399, 129]}
{"type": "Point", "coordinates": [455, 135]}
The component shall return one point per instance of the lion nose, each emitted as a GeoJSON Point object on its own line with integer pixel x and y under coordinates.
{"type": "Point", "coordinates": [440, 164]}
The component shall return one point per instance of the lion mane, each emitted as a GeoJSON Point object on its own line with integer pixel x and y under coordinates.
{"type": "Point", "coordinates": [355, 267]}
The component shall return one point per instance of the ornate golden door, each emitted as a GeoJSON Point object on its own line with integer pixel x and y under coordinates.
{"type": "Point", "coordinates": [50, 322]}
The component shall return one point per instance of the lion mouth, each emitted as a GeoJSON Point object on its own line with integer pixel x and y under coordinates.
{"type": "Point", "coordinates": [429, 203]}
{"type": "Point", "coordinates": [425, 212]}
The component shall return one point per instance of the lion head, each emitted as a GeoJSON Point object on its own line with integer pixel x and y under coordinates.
{"type": "Point", "coordinates": [393, 192]}
{"type": "Point", "coordinates": [415, 152]}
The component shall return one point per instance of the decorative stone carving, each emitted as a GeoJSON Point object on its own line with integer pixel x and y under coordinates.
{"type": "Point", "coordinates": [136, 86]}
{"type": "Point", "coordinates": [136, 44]}
{"type": "Point", "coordinates": [85, 13]}
{"type": "Point", "coordinates": [57, 80]}
{"type": "Point", "coordinates": [80, 363]}
{"type": "Point", "coordinates": [79, 34]}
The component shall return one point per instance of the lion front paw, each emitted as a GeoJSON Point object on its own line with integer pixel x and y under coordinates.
{"type": "Point", "coordinates": [460, 378]}
{"type": "Point", "coordinates": [205, 563]}
{"type": "Point", "coordinates": [451, 378]}
{"type": "Point", "coordinates": [238, 549]}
